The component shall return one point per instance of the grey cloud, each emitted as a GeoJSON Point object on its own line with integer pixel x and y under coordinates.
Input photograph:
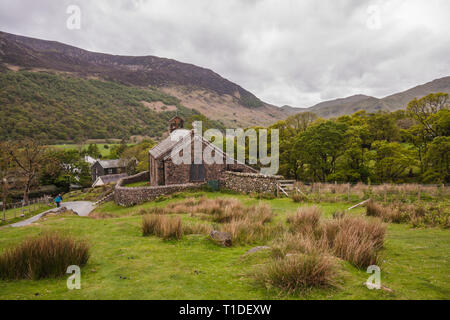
{"type": "Point", "coordinates": [286, 52]}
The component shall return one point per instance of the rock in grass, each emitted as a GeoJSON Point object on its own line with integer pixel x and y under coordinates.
{"type": "Point", "coordinates": [223, 238]}
{"type": "Point", "coordinates": [256, 249]}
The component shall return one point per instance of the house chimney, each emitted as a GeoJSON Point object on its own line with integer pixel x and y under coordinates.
{"type": "Point", "coordinates": [175, 123]}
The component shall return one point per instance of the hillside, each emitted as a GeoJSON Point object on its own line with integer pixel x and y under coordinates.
{"type": "Point", "coordinates": [350, 105]}
{"type": "Point", "coordinates": [225, 100]}
{"type": "Point", "coordinates": [54, 108]}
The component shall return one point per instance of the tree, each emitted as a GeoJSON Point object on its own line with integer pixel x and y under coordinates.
{"type": "Point", "coordinates": [93, 151]}
{"type": "Point", "coordinates": [7, 173]}
{"type": "Point", "coordinates": [63, 167]}
{"type": "Point", "coordinates": [320, 146]}
{"type": "Point", "coordinates": [422, 111]}
{"type": "Point", "coordinates": [432, 118]}
{"type": "Point", "coordinates": [353, 164]}
{"type": "Point", "coordinates": [299, 122]}
{"type": "Point", "coordinates": [27, 155]}
{"type": "Point", "coordinates": [391, 160]}
{"type": "Point", "coordinates": [382, 126]}
{"type": "Point", "coordinates": [140, 153]}
{"type": "Point", "coordinates": [438, 161]}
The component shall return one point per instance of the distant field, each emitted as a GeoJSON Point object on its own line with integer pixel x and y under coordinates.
{"type": "Point", "coordinates": [101, 147]}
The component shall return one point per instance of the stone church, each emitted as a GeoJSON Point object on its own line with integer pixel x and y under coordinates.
{"type": "Point", "coordinates": [163, 171]}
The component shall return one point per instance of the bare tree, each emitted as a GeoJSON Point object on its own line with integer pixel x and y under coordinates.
{"type": "Point", "coordinates": [6, 174]}
{"type": "Point", "coordinates": [27, 155]}
{"type": "Point", "coordinates": [301, 121]}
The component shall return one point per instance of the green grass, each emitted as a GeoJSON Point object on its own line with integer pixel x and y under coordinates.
{"type": "Point", "coordinates": [415, 262]}
{"type": "Point", "coordinates": [91, 194]}
{"type": "Point", "coordinates": [138, 184]}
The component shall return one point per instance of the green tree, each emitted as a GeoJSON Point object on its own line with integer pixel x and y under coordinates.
{"type": "Point", "coordinates": [438, 161]}
{"type": "Point", "coordinates": [319, 147]}
{"type": "Point", "coordinates": [391, 161]}
{"type": "Point", "coordinates": [382, 126]}
{"type": "Point", "coordinates": [93, 151]}
{"type": "Point", "coordinates": [424, 109]}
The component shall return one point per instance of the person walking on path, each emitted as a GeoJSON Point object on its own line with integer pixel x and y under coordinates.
{"type": "Point", "coordinates": [58, 200]}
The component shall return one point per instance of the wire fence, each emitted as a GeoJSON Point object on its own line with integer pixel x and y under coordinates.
{"type": "Point", "coordinates": [335, 192]}
{"type": "Point", "coordinates": [19, 209]}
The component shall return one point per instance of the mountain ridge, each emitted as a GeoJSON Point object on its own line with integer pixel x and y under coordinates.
{"type": "Point", "coordinates": [227, 101]}
{"type": "Point", "coordinates": [349, 105]}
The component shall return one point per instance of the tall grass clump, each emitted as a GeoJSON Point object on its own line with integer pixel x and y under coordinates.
{"type": "Point", "coordinates": [395, 213]}
{"type": "Point", "coordinates": [249, 225]}
{"type": "Point", "coordinates": [162, 226]}
{"type": "Point", "coordinates": [356, 240]}
{"type": "Point", "coordinates": [305, 220]}
{"type": "Point", "coordinates": [298, 272]}
{"type": "Point", "coordinates": [44, 256]}
{"type": "Point", "coordinates": [299, 197]}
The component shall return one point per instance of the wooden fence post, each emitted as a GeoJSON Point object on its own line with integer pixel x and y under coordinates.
{"type": "Point", "coordinates": [319, 191]}
{"type": "Point", "coordinates": [418, 193]}
{"type": "Point", "coordinates": [335, 191]}
{"type": "Point", "coordinates": [385, 193]}
{"type": "Point", "coordinates": [348, 192]}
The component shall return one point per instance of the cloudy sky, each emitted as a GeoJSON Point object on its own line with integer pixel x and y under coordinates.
{"type": "Point", "coordinates": [295, 52]}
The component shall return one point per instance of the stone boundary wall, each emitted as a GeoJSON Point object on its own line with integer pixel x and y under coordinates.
{"type": "Point", "coordinates": [128, 196]}
{"type": "Point", "coordinates": [249, 182]}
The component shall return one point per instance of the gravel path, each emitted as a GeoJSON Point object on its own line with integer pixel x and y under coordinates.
{"type": "Point", "coordinates": [82, 208]}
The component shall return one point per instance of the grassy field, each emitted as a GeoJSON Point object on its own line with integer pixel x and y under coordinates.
{"type": "Point", "coordinates": [126, 265]}
{"type": "Point", "coordinates": [101, 147]}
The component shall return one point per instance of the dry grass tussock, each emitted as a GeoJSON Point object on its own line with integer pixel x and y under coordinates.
{"type": "Point", "coordinates": [245, 224]}
{"type": "Point", "coordinates": [44, 256]}
{"type": "Point", "coordinates": [355, 239]}
{"type": "Point", "coordinates": [305, 256]}
{"type": "Point", "coordinates": [299, 272]}
{"type": "Point", "coordinates": [419, 215]}
{"type": "Point", "coordinates": [162, 226]}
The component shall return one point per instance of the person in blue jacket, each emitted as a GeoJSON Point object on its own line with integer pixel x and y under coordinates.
{"type": "Point", "coordinates": [58, 200]}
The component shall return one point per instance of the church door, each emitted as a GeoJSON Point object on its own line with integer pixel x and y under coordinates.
{"type": "Point", "coordinates": [197, 173]}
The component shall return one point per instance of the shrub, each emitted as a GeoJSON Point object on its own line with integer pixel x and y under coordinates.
{"type": "Point", "coordinates": [298, 197]}
{"type": "Point", "coordinates": [162, 226]}
{"type": "Point", "coordinates": [299, 272]}
{"type": "Point", "coordinates": [387, 214]}
{"type": "Point", "coordinates": [45, 256]}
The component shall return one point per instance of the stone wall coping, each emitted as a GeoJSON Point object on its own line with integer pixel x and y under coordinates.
{"type": "Point", "coordinates": [254, 175]}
